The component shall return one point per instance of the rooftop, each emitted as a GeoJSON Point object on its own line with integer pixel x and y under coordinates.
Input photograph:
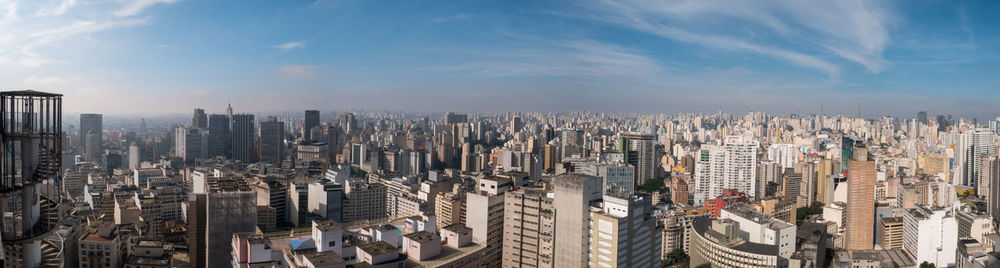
{"type": "Point", "coordinates": [422, 236]}
{"type": "Point", "coordinates": [377, 248]}
{"type": "Point", "coordinates": [702, 225]}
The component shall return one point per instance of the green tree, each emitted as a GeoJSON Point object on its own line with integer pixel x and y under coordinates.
{"type": "Point", "coordinates": [804, 213]}
{"type": "Point", "coordinates": [926, 265]}
{"type": "Point", "coordinates": [651, 185]}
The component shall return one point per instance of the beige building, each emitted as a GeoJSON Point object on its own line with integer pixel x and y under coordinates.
{"type": "Point", "coordinates": [485, 215]}
{"type": "Point", "coordinates": [860, 205]}
{"type": "Point", "coordinates": [449, 208]}
{"type": "Point", "coordinates": [528, 230]}
{"type": "Point", "coordinates": [890, 233]}
{"type": "Point", "coordinates": [572, 196]}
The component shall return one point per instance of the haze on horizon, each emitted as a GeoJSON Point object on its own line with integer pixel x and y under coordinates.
{"type": "Point", "coordinates": [159, 57]}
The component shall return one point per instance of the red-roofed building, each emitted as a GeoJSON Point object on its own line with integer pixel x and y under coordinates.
{"type": "Point", "coordinates": [728, 197]}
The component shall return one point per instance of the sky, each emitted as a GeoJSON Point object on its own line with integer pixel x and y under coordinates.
{"type": "Point", "coordinates": [149, 57]}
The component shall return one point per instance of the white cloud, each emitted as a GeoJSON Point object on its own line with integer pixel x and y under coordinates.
{"type": "Point", "coordinates": [451, 18]}
{"type": "Point", "coordinates": [28, 34]}
{"type": "Point", "coordinates": [298, 71]}
{"type": "Point", "coordinates": [803, 31]}
{"type": "Point", "coordinates": [291, 45]}
{"type": "Point", "coordinates": [135, 7]}
{"type": "Point", "coordinates": [57, 10]}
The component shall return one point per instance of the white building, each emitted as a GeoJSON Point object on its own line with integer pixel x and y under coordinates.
{"type": "Point", "coordinates": [624, 234]}
{"type": "Point", "coordinates": [762, 229]}
{"type": "Point", "coordinates": [729, 166]}
{"type": "Point", "coordinates": [930, 235]}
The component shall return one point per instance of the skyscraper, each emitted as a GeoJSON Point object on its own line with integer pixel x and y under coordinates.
{"type": "Point", "coordinates": [312, 120]}
{"type": "Point", "coordinates": [860, 205]}
{"type": "Point", "coordinates": [231, 207]}
{"type": "Point", "coordinates": [639, 151]}
{"type": "Point", "coordinates": [624, 234]}
{"type": "Point", "coordinates": [922, 117]}
{"type": "Point", "coordinates": [219, 142]}
{"type": "Point", "coordinates": [199, 119]}
{"type": "Point", "coordinates": [91, 123]}
{"type": "Point", "coordinates": [571, 204]}
{"type": "Point", "coordinates": [242, 132]}
{"type": "Point", "coordinates": [272, 136]}
{"type": "Point", "coordinates": [188, 143]}
{"type": "Point", "coordinates": [731, 166]}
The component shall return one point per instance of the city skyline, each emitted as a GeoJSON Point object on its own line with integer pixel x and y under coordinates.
{"type": "Point", "coordinates": [161, 57]}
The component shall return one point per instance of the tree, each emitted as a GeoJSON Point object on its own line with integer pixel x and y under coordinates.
{"type": "Point", "coordinates": [803, 213]}
{"type": "Point", "coordinates": [926, 265]}
{"type": "Point", "coordinates": [651, 185]}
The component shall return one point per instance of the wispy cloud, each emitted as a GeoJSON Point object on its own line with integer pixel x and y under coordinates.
{"type": "Point", "coordinates": [801, 33]}
{"type": "Point", "coordinates": [135, 7]}
{"type": "Point", "coordinates": [451, 18]}
{"type": "Point", "coordinates": [298, 71]}
{"type": "Point", "coordinates": [27, 33]}
{"type": "Point", "coordinates": [291, 45]}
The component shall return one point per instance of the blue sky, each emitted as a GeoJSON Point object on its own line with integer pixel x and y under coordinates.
{"type": "Point", "coordinates": [169, 56]}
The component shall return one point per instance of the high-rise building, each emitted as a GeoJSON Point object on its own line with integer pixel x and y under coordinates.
{"type": "Point", "coordinates": [640, 152]}
{"type": "Point", "coordinates": [619, 178]}
{"type": "Point", "coordinates": [272, 141]}
{"type": "Point", "coordinates": [231, 207]}
{"type": "Point", "coordinates": [196, 237]}
{"type": "Point", "coordinates": [922, 117]}
{"type": "Point", "coordinates": [312, 120]}
{"type": "Point", "coordinates": [91, 123]}
{"type": "Point", "coordinates": [484, 214]}
{"type": "Point", "coordinates": [529, 230]}
{"type": "Point", "coordinates": [860, 205]}
{"type": "Point", "coordinates": [453, 118]}
{"type": "Point", "coordinates": [931, 235]}
{"type": "Point", "coordinates": [980, 147]}
{"type": "Point", "coordinates": [808, 185]}
{"type": "Point", "coordinates": [199, 119]}
{"type": "Point", "coordinates": [624, 234]}
{"type": "Point", "coordinates": [573, 193]}
{"type": "Point", "coordinates": [731, 166]}
{"type": "Point", "coordinates": [515, 125]}
{"type": "Point", "coordinates": [188, 143]}
{"type": "Point", "coordinates": [219, 142]}
{"type": "Point", "coordinates": [242, 132]}
{"type": "Point", "coordinates": [134, 156]}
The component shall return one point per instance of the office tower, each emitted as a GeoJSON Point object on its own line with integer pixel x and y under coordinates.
{"type": "Point", "coordinates": [272, 141]}
{"type": "Point", "coordinates": [200, 119]}
{"type": "Point", "coordinates": [931, 235]}
{"type": "Point", "coordinates": [326, 200]}
{"type": "Point", "coordinates": [618, 177]}
{"type": "Point", "coordinates": [134, 157]}
{"type": "Point", "coordinates": [453, 118]}
{"type": "Point", "coordinates": [484, 214]}
{"type": "Point", "coordinates": [242, 132]}
{"type": "Point", "coordinates": [847, 145]}
{"type": "Point", "coordinates": [231, 207]}
{"type": "Point", "coordinates": [467, 157]}
{"type": "Point", "coordinates": [219, 143]}
{"type": "Point", "coordinates": [188, 143]}
{"type": "Point", "coordinates": [91, 123]}
{"type": "Point", "coordinates": [640, 152]}
{"type": "Point", "coordinates": [93, 149]}
{"type": "Point", "coordinates": [572, 196]}
{"type": "Point", "coordinates": [860, 205]}
{"type": "Point", "coordinates": [312, 120]}
{"type": "Point", "coordinates": [515, 125]}
{"type": "Point", "coordinates": [922, 117]}
{"type": "Point", "coordinates": [624, 234]}
{"type": "Point", "coordinates": [30, 164]}
{"type": "Point", "coordinates": [529, 230]}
